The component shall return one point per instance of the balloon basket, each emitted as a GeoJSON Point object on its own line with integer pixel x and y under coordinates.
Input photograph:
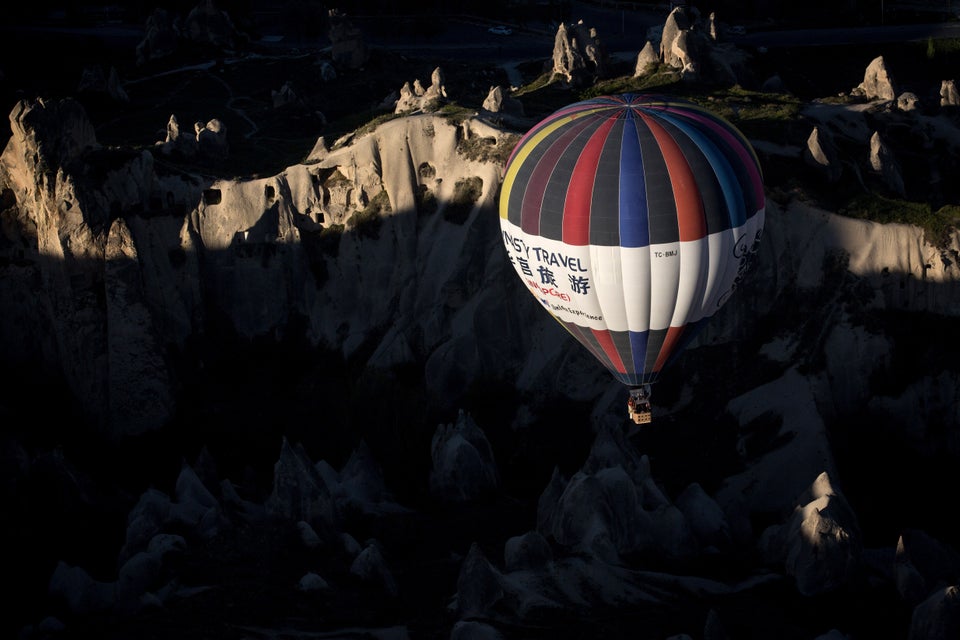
{"type": "Point", "coordinates": [638, 405]}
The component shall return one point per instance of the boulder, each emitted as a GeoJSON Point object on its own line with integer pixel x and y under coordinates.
{"type": "Point", "coordinates": [885, 165]}
{"type": "Point", "coordinates": [877, 83]}
{"type": "Point", "coordinates": [821, 154]}
{"type": "Point", "coordinates": [499, 100]}
{"type": "Point", "coordinates": [464, 468]}
{"type": "Point", "coordinates": [820, 545]}
{"type": "Point", "coordinates": [647, 60]}
{"type": "Point", "coordinates": [949, 96]}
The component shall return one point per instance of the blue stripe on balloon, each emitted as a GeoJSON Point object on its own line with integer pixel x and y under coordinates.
{"type": "Point", "coordinates": [638, 344]}
{"type": "Point", "coordinates": [634, 218]}
{"type": "Point", "coordinates": [730, 185]}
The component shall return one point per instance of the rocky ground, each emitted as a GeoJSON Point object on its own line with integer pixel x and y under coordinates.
{"type": "Point", "coordinates": [74, 503]}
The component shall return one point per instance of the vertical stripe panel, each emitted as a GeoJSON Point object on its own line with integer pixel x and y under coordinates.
{"type": "Point", "coordinates": [660, 205]}
{"type": "Point", "coordinates": [605, 340]}
{"type": "Point", "coordinates": [664, 283]}
{"type": "Point", "coordinates": [586, 337]}
{"type": "Point", "coordinates": [638, 344]}
{"type": "Point", "coordinates": [605, 213]}
{"type": "Point", "coordinates": [632, 191]}
{"type": "Point", "coordinates": [607, 277]}
{"type": "Point", "coordinates": [721, 186]}
{"type": "Point", "coordinates": [741, 156]}
{"type": "Point", "coordinates": [636, 276]}
{"type": "Point", "coordinates": [692, 281]}
{"type": "Point", "coordinates": [720, 248]}
{"type": "Point", "coordinates": [683, 183]}
{"type": "Point", "coordinates": [667, 349]}
{"type": "Point", "coordinates": [553, 210]}
{"type": "Point", "coordinates": [655, 338]}
{"type": "Point", "coordinates": [535, 172]}
{"type": "Point", "coordinates": [576, 210]}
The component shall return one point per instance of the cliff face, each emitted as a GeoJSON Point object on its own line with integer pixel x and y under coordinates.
{"type": "Point", "coordinates": [99, 287]}
{"type": "Point", "coordinates": [386, 251]}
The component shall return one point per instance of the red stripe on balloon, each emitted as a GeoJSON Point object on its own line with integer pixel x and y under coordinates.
{"type": "Point", "coordinates": [576, 208]}
{"type": "Point", "coordinates": [690, 215]}
{"type": "Point", "coordinates": [606, 341]}
{"type": "Point", "coordinates": [667, 348]}
{"type": "Point", "coordinates": [532, 206]}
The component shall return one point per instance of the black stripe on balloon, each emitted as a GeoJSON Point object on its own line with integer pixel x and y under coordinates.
{"type": "Point", "coordinates": [715, 209]}
{"type": "Point", "coordinates": [736, 162]}
{"type": "Point", "coordinates": [723, 219]}
{"type": "Point", "coordinates": [533, 176]}
{"type": "Point", "coordinates": [554, 199]}
{"type": "Point", "coordinates": [690, 333]}
{"type": "Point", "coordinates": [584, 336]}
{"type": "Point", "coordinates": [661, 206]}
{"type": "Point", "coordinates": [655, 340]}
{"type": "Point", "coordinates": [605, 202]}
{"type": "Point", "coordinates": [621, 341]}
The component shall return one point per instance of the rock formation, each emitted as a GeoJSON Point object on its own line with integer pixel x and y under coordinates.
{"type": "Point", "coordinates": [464, 468]}
{"type": "Point", "coordinates": [821, 544]}
{"type": "Point", "coordinates": [348, 47]}
{"type": "Point", "coordinates": [877, 83]}
{"type": "Point", "coordinates": [418, 98]}
{"type": "Point", "coordinates": [95, 80]}
{"type": "Point", "coordinates": [498, 100]}
{"type": "Point", "coordinates": [375, 267]}
{"type": "Point", "coordinates": [647, 59]}
{"type": "Point", "coordinates": [205, 25]}
{"type": "Point", "coordinates": [161, 37]}
{"type": "Point", "coordinates": [286, 96]}
{"type": "Point", "coordinates": [176, 142]}
{"type": "Point", "coordinates": [690, 45]}
{"type": "Point", "coordinates": [885, 164]}
{"type": "Point", "coordinates": [821, 153]}
{"type": "Point", "coordinates": [212, 138]}
{"type": "Point", "coordinates": [579, 57]}
{"type": "Point", "coordinates": [949, 97]}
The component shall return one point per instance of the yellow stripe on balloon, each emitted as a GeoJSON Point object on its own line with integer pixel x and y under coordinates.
{"type": "Point", "coordinates": [528, 147]}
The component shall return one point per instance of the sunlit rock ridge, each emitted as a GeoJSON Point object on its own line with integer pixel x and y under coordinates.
{"type": "Point", "coordinates": [422, 278]}
{"type": "Point", "coordinates": [407, 286]}
{"type": "Point", "coordinates": [121, 274]}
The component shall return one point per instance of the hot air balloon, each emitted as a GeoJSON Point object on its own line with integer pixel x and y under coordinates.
{"type": "Point", "coordinates": [632, 219]}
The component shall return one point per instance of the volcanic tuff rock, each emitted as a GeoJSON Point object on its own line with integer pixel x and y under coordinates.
{"type": "Point", "coordinates": [690, 45]}
{"type": "Point", "coordinates": [877, 83]}
{"type": "Point", "coordinates": [205, 25]}
{"type": "Point", "coordinates": [418, 98]}
{"type": "Point", "coordinates": [578, 54]}
{"type": "Point", "coordinates": [238, 246]}
{"type": "Point", "coordinates": [385, 249]}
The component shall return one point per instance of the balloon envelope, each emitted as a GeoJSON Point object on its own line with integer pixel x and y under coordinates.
{"type": "Point", "coordinates": [631, 219]}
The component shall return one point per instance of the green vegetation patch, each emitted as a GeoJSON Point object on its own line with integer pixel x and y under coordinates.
{"type": "Point", "coordinates": [367, 222]}
{"type": "Point", "coordinates": [663, 79]}
{"type": "Point", "coordinates": [937, 225]}
{"type": "Point", "coordinates": [488, 148]}
{"type": "Point", "coordinates": [466, 192]}
{"type": "Point", "coordinates": [456, 113]}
